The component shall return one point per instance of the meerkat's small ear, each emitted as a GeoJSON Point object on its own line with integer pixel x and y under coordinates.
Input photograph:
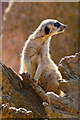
{"type": "Point", "coordinates": [47, 30]}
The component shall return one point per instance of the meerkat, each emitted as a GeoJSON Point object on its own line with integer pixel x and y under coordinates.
{"type": "Point", "coordinates": [36, 60]}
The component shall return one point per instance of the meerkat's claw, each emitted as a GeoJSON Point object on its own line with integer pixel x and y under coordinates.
{"type": "Point", "coordinates": [36, 81]}
{"type": "Point", "coordinates": [27, 75]}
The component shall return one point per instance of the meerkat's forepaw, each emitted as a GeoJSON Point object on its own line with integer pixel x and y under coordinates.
{"type": "Point", "coordinates": [36, 81]}
{"type": "Point", "coordinates": [27, 75]}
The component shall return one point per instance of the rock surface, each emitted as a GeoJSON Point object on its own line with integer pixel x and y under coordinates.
{"type": "Point", "coordinates": [21, 19]}
{"type": "Point", "coordinates": [22, 98]}
{"type": "Point", "coordinates": [19, 94]}
{"type": "Point", "coordinates": [12, 112]}
{"type": "Point", "coordinates": [69, 66]}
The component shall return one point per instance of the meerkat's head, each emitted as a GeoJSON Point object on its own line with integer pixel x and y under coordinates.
{"type": "Point", "coordinates": [50, 27]}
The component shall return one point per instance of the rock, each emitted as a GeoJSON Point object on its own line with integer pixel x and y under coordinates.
{"type": "Point", "coordinates": [40, 92]}
{"type": "Point", "coordinates": [19, 94]}
{"type": "Point", "coordinates": [69, 66]}
{"type": "Point", "coordinates": [22, 18]}
{"type": "Point", "coordinates": [56, 112]}
{"type": "Point", "coordinates": [12, 112]}
{"type": "Point", "coordinates": [63, 103]}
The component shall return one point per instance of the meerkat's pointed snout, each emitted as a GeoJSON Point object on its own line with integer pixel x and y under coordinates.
{"type": "Point", "coordinates": [65, 26]}
{"type": "Point", "coordinates": [62, 28]}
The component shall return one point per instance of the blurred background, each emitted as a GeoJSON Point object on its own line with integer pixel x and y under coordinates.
{"type": "Point", "coordinates": [20, 19]}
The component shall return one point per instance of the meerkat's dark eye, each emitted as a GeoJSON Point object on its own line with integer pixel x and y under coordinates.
{"type": "Point", "coordinates": [57, 24]}
{"type": "Point", "coordinates": [47, 30]}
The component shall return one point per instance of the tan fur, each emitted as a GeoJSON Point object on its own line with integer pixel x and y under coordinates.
{"type": "Point", "coordinates": [36, 59]}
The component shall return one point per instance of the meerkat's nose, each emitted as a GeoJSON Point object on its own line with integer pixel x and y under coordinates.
{"type": "Point", "coordinates": [65, 26]}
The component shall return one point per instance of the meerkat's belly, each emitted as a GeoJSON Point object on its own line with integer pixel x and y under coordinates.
{"type": "Point", "coordinates": [49, 78]}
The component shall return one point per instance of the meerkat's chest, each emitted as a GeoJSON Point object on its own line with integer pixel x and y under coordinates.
{"type": "Point", "coordinates": [44, 51]}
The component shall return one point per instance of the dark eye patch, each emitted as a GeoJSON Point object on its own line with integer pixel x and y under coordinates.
{"type": "Point", "coordinates": [47, 30]}
{"type": "Point", "coordinates": [57, 24]}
